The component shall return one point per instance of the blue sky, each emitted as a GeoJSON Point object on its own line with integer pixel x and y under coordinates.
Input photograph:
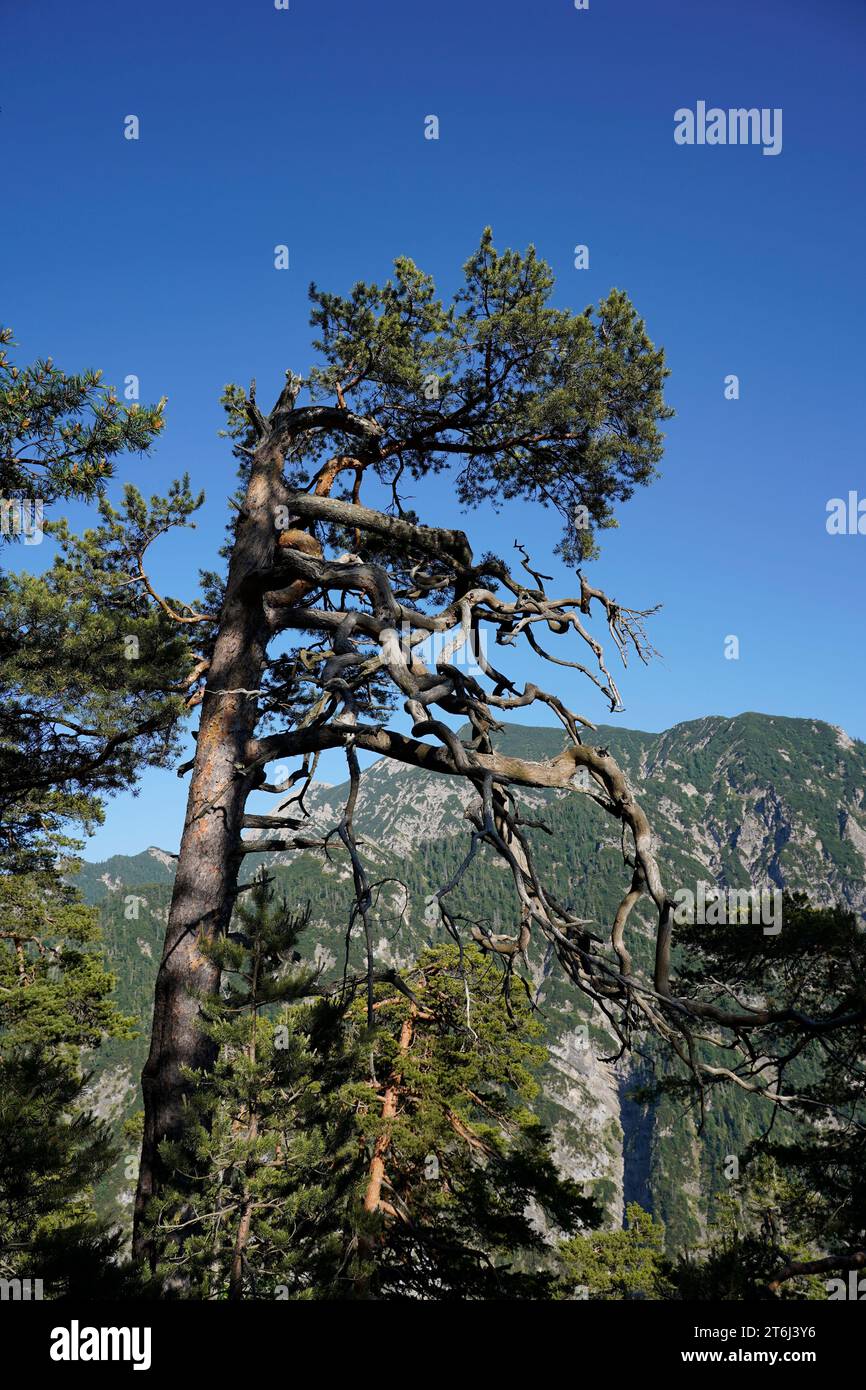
{"type": "Point", "coordinates": [306, 127]}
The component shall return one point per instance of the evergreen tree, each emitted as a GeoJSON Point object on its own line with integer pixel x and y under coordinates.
{"type": "Point", "coordinates": [460, 1182]}
{"type": "Point", "coordinates": [61, 433]}
{"type": "Point", "coordinates": [806, 1209]}
{"type": "Point", "coordinates": [266, 1154]}
{"type": "Point", "coordinates": [322, 1158]}
{"type": "Point", "coordinates": [332, 582]}
{"type": "Point", "coordinates": [624, 1264]}
{"type": "Point", "coordinates": [92, 672]}
{"type": "Point", "coordinates": [92, 665]}
{"type": "Point", "coordinates": [740, 1257]}
{"type": "Point", "coordinates": [55, 1002]}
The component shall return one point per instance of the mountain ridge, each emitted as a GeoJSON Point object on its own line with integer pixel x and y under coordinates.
{"type": "Point", "coordinates": [735, 801]}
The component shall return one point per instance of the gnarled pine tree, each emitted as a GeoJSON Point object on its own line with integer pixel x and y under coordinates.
{"type": "Point", "coordinates": [315, 641]}
{"type": "Point", "coordinates": [512, 398]}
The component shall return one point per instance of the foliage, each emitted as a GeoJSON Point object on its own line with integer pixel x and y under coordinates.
{"type": "Point", "coordinates": [684, 1169]}
{"type": "Point", "coordinates": [468, 1182]}
{"type": "Point", "coordinates": [630, 1263]}
{"type": "Point", "coordinates": [55, 1002]}
{"type": "Point", "coordinates": [90, 694]}
{"type": "Point", "coordinates": [548, 405]}
{"type": "Point", "coordinates": [264, 1145]}
{"type": "Point", "coordinates": [92, 669]}
{"type": "Point", "coordinates": [740, 1257]}
{"type": "Point", "coordinates": [286, 1130]}
{"type": "Point", "coordinates": [60, 433]}
{"type": "Point", "coordinates": [816, 964]}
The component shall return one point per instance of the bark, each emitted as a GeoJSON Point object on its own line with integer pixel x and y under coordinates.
{"type": "Point", "coordinates": [827, 1265]}
{"type": "Point", "coordinates": [236, 1277]}
{"type": "Point", "coordinates": [245, 1223]}
{"type": "Point", "coordinates": [373, 1194]}
{"type": "Point", "coordinates": [373, 1200]}
{"type": "Point", "coordinates": [207, 869]}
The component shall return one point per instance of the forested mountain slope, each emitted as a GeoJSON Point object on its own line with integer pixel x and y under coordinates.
{"type": "Point", "coordinates": [754, 801]}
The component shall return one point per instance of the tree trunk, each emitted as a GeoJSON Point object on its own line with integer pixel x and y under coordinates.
{"type": "Point", "coordinates": [373, 1194]}
{"type": "Point", "coordinates": [236, 1276]}
{"type": "Point", "coordinates": [245, 1223]}
{"type": "Point", "coordinates": [206, 881]}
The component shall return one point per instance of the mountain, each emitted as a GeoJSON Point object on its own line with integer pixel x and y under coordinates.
{"type": "Point", "coordinates": [752, 801]}
{"type": "Point", "coordinates": [96, 880]}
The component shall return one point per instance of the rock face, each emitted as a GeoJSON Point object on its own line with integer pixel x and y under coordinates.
{"type": "Point", "coordinates": [756, 801]}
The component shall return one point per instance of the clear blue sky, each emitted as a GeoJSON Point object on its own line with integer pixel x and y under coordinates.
{"type": "Point", "coordinates": [306, 127]}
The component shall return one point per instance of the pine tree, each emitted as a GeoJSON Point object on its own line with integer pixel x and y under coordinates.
{"type": "Point", "coordinates": [765, 1212]}
{"type": "Point", "coordinates": [624, 1264]}
{"type": "Point", "coordinates": [55, 1002]}
{"type": "Point", "coordinates": [92, 665]}
{"type": "Point", "coordinates": [332, 582]}
{"type": "Point", "coordinates": [92, 673]}
{"type": "Point", "coordinates": [802, 1212]}
{"type": "Point", "coordinates": [322, 1158]}
{"type": "Point", "coordinates": [263, 1154]}
{"type": "Point", "coordinates": [460, 1182]}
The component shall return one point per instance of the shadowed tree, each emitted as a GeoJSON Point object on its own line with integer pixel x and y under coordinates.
{"type": "Point", "coordinates": [93, 668]}
{"type": "Point", "coordinates": [336, 1160]}
{"type": "Point", "coordinates": [809, 1055]}
{"type": "Point", "coordinates": [274, 1153]}
{"type": "Point", "coordinates": [55, 1000]}
{"type": "Point", "coordinates": [92, 672]}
